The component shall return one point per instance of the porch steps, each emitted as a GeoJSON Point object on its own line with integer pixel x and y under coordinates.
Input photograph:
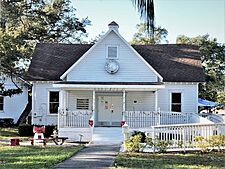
{"type": "Point", "coordinates": [107, 135]}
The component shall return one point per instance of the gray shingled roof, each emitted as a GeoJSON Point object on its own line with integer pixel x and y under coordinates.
{"type": "Point", "coordinates": [175, 63]}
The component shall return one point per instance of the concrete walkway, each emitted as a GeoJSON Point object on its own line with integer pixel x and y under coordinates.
{"type": "Point", "coordinates": [92, 156]}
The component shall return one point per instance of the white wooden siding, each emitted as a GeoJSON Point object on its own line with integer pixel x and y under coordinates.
{"type": "Point", "coordinates": [14, 106]}
{"type": "Point", "coordinates": [145, 101]}
{"type": "Point", "coordinates": [189, 97]}
{"type": "Point", "coordinates": [73, 95]}
{"type": "Point", "coordinates": [92, 67]}
{"type": "Point", "coordinates": [40, 104]}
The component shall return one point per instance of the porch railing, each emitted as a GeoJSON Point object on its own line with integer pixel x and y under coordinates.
{"type": "Point", "coordinates": [182, 136]}
{"type": "Point", "coordinates": [146, 119]}
{"type": "Point", "coordinates": [74, 119]}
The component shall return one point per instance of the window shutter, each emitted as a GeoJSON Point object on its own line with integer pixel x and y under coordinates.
{"type": "Point", "coordinates": [83, 104]}
{"type": "Point", "coordinates": [112, 52]}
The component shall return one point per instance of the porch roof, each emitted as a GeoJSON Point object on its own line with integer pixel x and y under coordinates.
{"type": "Point", "coordinates": [110, 85]}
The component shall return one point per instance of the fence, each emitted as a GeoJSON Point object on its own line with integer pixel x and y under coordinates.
{"type": "Point", "coordinates": [74, 119]}
{"type": "Point", "coordinates": [146, 119]}
{"type": "Point", "coordinates": [182, 136]}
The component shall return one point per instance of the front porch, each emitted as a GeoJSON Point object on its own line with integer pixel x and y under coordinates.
{"type": "Point", "coordinates": [83, 109]}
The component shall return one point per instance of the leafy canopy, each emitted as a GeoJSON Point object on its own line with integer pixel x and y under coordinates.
{"type": "Point", "coordinates": [213, 61]}
{"type": "Point", "coordinates": [24, 23]}
{"type": "Point", "coordinates": [142, 37]}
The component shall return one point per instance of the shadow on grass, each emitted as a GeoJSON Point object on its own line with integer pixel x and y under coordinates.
{"type": "Point", "coordinates": [32, 157]}
{"type": "Point", "coordinates": [175, 161]}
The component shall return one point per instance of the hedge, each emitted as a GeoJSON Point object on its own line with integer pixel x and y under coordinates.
{"type": "Point", "coordinates": [6, 122]}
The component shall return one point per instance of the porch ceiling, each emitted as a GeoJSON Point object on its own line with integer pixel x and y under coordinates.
{"type": "Point", "coordinates": [143, 86]}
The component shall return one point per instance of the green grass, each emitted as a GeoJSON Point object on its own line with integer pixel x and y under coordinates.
{"type": "Point", "coordinates": [34, 157]}
{"type": "Point", "coordinates": [170, 161]}
{"type": "Point", "coordinates": [6, 133]}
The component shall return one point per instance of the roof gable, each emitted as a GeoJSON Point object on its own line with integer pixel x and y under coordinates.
{"type": "Point", "coordinates": [92, 67]}
{"type": "Point", "coordinates": [111, 30]}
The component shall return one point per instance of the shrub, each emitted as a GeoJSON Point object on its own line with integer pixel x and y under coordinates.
{"type": "Point", "coordinates": [217, 141]}
{"type": "Point", "coordinates": [27, 130]}
{"type": "Point", "coordinates": [6, 122]}
{"type": "Point", "coordinates": [202, 143]}
{"type": "Point", "coordinates": [133, 143]}
{"type": "Point", "coordinates": [162, 145]}
{"type": "Point", "coordinates": [143, 136]}
{"type": "Point", "coordinates": [149, 141]}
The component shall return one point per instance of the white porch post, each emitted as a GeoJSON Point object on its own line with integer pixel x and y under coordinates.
{"type": "Point", "coordinates": [93, 105]}
{"type": "Point", "coordinates": [156, 100]}
{"type": "Point", "coordinates": [61, 104]}
{"type": "Point", "coordinates": [124, 104]}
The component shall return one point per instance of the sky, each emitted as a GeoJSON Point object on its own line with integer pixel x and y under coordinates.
{"type": "Point", "coordinates": [179, 17]}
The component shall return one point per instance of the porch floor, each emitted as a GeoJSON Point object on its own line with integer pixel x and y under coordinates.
{"type": "Point", "coordinates": [107, 135]}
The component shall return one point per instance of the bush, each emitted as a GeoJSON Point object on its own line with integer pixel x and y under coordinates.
{"type": "Point", "coordinates": [143, 136]}
{"type": "Point", "coordinates": [133, 143]}
{"type": "Point", "coordinates": [27, 130]}
{"type": "Point", "coordinates": [162, 145]}
{"type": "Point", "coordinates": [6, 122]}
{"type": "Point", "coordinates": [217, 141]}
{"type": "Point", "coordinates": [202, 143]}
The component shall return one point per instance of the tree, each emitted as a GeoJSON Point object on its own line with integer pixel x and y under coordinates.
{"type": "Point", "coordinates": [142, 37]}
{"type": "Point", "coordinates": [147, 14]}
{"type": "Point", "coordinates": [24, 23]}
{"type": "Point", "coordinates": [213, 61]}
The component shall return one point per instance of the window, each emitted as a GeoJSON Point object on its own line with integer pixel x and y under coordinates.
{"type": "Point", "coordinates": [1, 103]}
{"type": "Point", "coordinates": [176, 102]}
{"type": "Point", "coordinates": [112, 52]}
{"type": "Point", "coordinates": [53, 102]}
{"type": "Point", "coordinates": [83, 104]}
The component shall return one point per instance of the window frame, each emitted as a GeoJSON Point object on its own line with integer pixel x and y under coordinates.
{"type": "Point", "coordinates": [3, 103]}
{"type": "Point", "coordinates": [49, 91]}
{"type": "Point", "coordinates": [82, 98]}
{"type": "Point", "coordinates": [107, 52]}
{"type": "Point", "coordinates": [181, 102]}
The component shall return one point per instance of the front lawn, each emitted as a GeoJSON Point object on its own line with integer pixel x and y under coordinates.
{"type": "Point", "coordinates": [6, 133]}
{"type": "Point", "coordinates": [170, 161]}
{"type": "Point", "coordinates": [34, 157]}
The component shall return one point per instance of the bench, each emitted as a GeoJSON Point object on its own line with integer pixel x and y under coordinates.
{"type": "Point", "coordinates": [43, 140]}
{"type": "Point", "coordinates": [56, 140]}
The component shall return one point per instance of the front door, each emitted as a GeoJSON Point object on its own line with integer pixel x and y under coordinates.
{"type": "Point", "coordinates": [109, 110]}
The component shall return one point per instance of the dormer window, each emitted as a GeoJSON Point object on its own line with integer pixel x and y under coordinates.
{"type": "Point", "coordinates": [112, 52]}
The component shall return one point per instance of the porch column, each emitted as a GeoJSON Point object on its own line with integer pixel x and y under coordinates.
{"type": "Point", "coordinates": [62, 99]}
{"type": "Point", "coordinates": [93, 105]}
{"type": "Point", "coordinates": [124, 105]}
{"type": "Point", "coordinates": [156, 100]}
{"type": "Point", "coordinates": [61, 106]}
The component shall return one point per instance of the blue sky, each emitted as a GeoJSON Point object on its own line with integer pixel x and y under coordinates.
{"type": "Point", "coordinates": [188, 17]}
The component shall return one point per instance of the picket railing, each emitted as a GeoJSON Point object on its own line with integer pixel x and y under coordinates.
{"type": "Point", "coordinates": [146, 119]}
{"type": "Point", "coordinates": [182, 136]}
{"type": "Point", "coordinates": [74, 119]}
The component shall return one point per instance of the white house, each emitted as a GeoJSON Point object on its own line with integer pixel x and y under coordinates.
{"type": "Point", "coordinates": [81, 86]}
{"type": "Point", "coordinates": [12, 107]}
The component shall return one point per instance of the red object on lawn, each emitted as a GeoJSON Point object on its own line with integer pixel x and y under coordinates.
{"type": "Point", "coordinates": [15, 142]}
{"type": "Point", "coordinates": [39, 129]}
